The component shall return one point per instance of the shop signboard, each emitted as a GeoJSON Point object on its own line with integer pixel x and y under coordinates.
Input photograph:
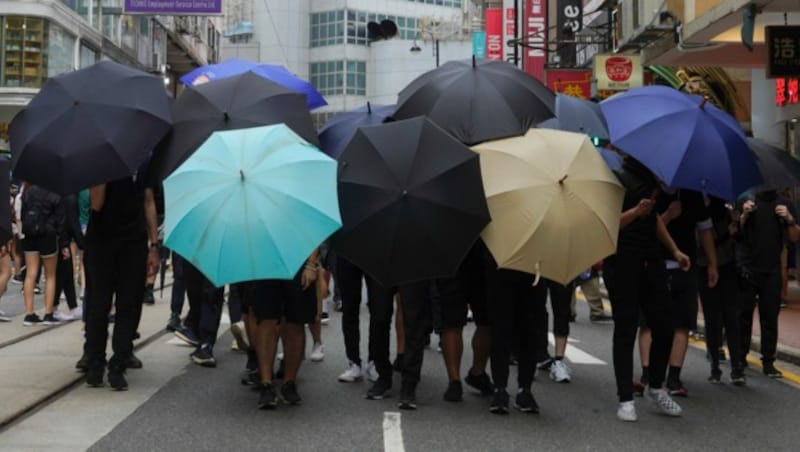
{"type": "Point", "coordinates": [173, 7]}
{"type": "Point", "coordinates": [536, 33]}
{"type": "Point", "coordinates": [786, 91]}
{"type": "Point", "coordinates": [618, 72]}
{"type": "Point", "coordinates": [783, 51]}
{"type": "Point", "coordinates": [573, 82]}
{"type": "Point", "coordinates": [479, 44]}
{"type": "Point", "coordinates": [510, 31]}
{"type": "Point", "coordinates": [494, 33]}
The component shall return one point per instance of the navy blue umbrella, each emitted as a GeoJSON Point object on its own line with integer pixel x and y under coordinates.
{"type": "Point", "coordinates": [683, 139]}
{"type": "Point", "coordinates": [780, 170]}
{"type": "Point", "coordinates": [577, 115]}
{"type": "Point", "coordinates": [340, 128]}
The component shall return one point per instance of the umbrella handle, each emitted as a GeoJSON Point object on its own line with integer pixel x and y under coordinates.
{"type": "Point", "coordinates": [538, 275]}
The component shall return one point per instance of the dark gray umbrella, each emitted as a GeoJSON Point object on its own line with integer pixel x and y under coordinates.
{"type": "Point", "coordinates": [477, 101]}
{"type": "Point", "coordinates": [577, 115]}
{"type": "Point", "coordinates": [89, 127]}
{"type": "Point", "coordinates": [779, 169]}
{"type": "Point", "coordinates": [338, 130]}
{"type": "Point", "coordinates": [237, 102]}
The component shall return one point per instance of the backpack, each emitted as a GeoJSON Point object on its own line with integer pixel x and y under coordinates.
{"type": "Point", "coordinates": [38, 206]}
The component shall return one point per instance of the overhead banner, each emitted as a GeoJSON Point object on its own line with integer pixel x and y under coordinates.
{"type": "Point", "coordinates": [618, 72]}
{"type": "Point", "coordinates": [173, 7]}
{"type": "Point", "coordinates": [572, 82]}
{"type": "Point", "coordinates": [510, 32]}
{"type": "Point", "coordinates": [783, 50]}
{"type": "Point", "coordinates": [535, 37]}
{"type": "Point", "coordinates": [494, 33]}
{"type": "Point", "coordinates": [479, 44]}
{"type": "Point", "coordinates": [569, 20]}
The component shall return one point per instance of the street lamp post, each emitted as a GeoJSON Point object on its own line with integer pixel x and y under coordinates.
{"type": "Point", "coordinates": [416, 48]}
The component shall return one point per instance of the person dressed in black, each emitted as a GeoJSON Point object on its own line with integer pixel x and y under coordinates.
{"type": "Point", "coordinates": [205, 312]}
{"type": "Point", "coordinates": [121, 249]}
{"type": "Point", "coordinates": [70, 231]}
{"type": "Point", "coordinates": [765, 224]}
{"type": "Point", "coordinates": [636, 279]}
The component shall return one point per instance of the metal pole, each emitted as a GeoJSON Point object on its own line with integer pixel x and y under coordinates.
{"type": "Point", "coordinates": [610, 26]}
{"type": "Point", "coordinates": [516, 32]}
{"type": "Point", "coordinates": [437, 53]}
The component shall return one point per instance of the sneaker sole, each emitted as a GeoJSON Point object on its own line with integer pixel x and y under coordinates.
{"type": "Point", "coordinates": [186, 339]}
{"type": "Point", "coordinates": [317, 359]}
{"type": "Point", "coordinates": [407, 405]}
{"type": "Point", "coordinates": [385, 395]}
{"type": "Point", "coordinates": [498, 410]}
{"type": "Point", "coordinates": [739, 383]}
{"type": "Point", "coordinates": [341, 380]}
{"type": "Point", "coordinates": [526, 410]}
{"type": "Point", "coordinates": [268, 406]}
{"type": "Point", "coordinates": [679, 393]}
{"type": "Point", "coordinates": [239, 337]}
{"type": "Point", "coordinates": [204, 362]}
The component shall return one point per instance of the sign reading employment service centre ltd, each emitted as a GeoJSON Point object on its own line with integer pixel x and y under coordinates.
{"type": "Point", "coordinates": [173, 7]}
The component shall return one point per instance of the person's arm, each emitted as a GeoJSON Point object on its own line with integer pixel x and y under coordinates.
{"type": "Point", "coordinates": [73, 225]}
{"type": "Point", "coordinates": [673, 212]}
{"type": "Point", "coordinates": [641, 210]}
{"type": "Point", "coordinates": [151, 217]}
{"type": "Point", "coordinates": [663, 235]}
{"type": "Point", "coordinates": [310, 270]}
{"type": "Point", "coordinates": [97, 196]}
{"type": "Point", "coordinates": [792, 230]}
{"type": "Point", "coordinates": [707, 240]}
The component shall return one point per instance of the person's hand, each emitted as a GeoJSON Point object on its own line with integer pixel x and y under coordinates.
{"type": "Point", "coordinates": [713, 276]}
{"type": "Point", "coordinates": [747, 208]}
{"type": "Point", "coordinates": [65, 253]}
{"type": "Point", "coordinates": [674, 211]}
{"type": "Point", "coordinates": [644, 207]}
{"type": "Point", "coordinates": [3, 250]}
{"type": "Point", "coordinates": [153, 261]}
{"type": "Point", "coordinates": [309, 276]}
{"type": "Point", "coordinates": [783, 212]}
{"type": "Point", "coordinates": [683, 260]}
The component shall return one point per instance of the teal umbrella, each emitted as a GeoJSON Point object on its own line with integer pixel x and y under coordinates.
{"type": "Point", "coordinates": [251, 204]}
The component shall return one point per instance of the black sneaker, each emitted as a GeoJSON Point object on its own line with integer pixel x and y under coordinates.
{"type": "Point", "coordinates": [268, 400]}
{"type": "Point", "coordinates": [83, 364]}
{"type": "Point", "coordinates": [677, 388]}
{"type": "Point", "coordinates": [526, 403]}
{"type": "Point", "coordinates": [771, 371]}
{"type": "Point", "coordinates": [499, 403]}
{"type": "Point", "coordinates": [116, 379]}
{"type": "Point", "coordinates": [250, 378]}
{"type": "Point", "coordinates": [716, 377]}
{"type": "Point", "coordinates": [149, 297]}
{"type": "Point", "coordinates": [37, 290]}
{"type": "Point", "coordinates": [398, 363]}
{"type": "Point", "coordinates": [174, 323]}
{"type": "Point", "coordinates": [133, 362]}
{"type": "Point", "coordinates": [408, 398]}
{"type": "Point", "coordinates": [50, 319]}
{"type": "Point", "coordinates": [187, 335]}
{"type": "Point", "coordinates": [738, 378]}
{"type": "Point", "coordinates": [94, 376]}
{"type": "Point", "coordinates": [379, 390]}
{"type": "Point", "coordinates": [480, 382]}
{"type": "Point", "coordinates": [18, 279]}
{"type": "Point", "coordinates": [289, 393]}
{"type": "Point", "coordinates": [31, 320]}
{"type": "Point", "coordinates": [204, 356]}
{"type": "Point", "coordinates": [454, 392]}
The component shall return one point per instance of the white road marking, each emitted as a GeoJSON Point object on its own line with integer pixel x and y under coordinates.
{"type": "Point", "coordinates": [576, 355]}
{"type": "Point", "coordinates": [392, 432]}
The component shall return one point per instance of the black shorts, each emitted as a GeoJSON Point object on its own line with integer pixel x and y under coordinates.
{"type": "Point", "coordinates": [467, 289]}
{"type": "Point", "coordinates": [276, 299]}
{"type": "Point", "coordinates": [683, 299]}
{"type": "Point", "coordinates": [45, 245]}
{"type": "Point", "coordinates": [239, 290]}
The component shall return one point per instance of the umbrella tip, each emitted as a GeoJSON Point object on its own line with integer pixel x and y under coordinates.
{"type": "Point", "coordinates": [241, 174]}
{"type": "Point", "coordinates": [703, 103]}
{"type": "Point", "coordinates": [561, 181]}
{"type": "Point", "coordinates": [369, 108]}
{"type": "Point", "coordinates": [473, 61]}
{"type": "Point", "coordinates": [226, 115]}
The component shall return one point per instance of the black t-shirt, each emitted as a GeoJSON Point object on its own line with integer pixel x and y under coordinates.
{"type": "Point", "coordinates": [682, 229]}
{"type": "Point", "coordinates": [638, 237]}
{"type": "Point", "coordinates": [122, 216]}
{"type": "Point", "coordinates": [762, 237]}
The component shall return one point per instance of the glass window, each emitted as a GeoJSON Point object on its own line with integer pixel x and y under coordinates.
{"type": "Point", "coordinates": [88, 56]}
{"type": "Point", "coordinates": [327, 28]}
{"type": "Point", "coordinates": [25, 44]}
{"type": "Point", "coordinates": [128, 32]}
{"type": "Point", "coordinates": [60, 51]}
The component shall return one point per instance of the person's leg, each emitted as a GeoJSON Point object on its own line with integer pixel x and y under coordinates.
{"type": "Point", "coordinates": [349, 278]}
{"type": "Point", "coordinates": [712, 304]}
{"type": "Point", "coordinates": [452, 307]}
{"type": "Point", "coordinates": [560, 298]}
{"type": "Point", "coordinates": [747, 301]}
{"type": "Point", "coordinates": [31, 270]}
{"type": "Point", "coordinates": [729, 301]}
{"type": "Point", "coordinates": [178, 286]}
{"type": "Point", "coordinates": [594, 297]}
{"type": "Point", "coordinates": [769, 305]}
{"type": "Point", "coordinates": [619, 272]}
{"type": "Point", "coordinates": [683, 307]}
{"type": "Point", "coordinates": [293, 336]}
{"type": "Point", "coordinates": [501, 316]}
{"type": "Point", "coordinates": [417, 325]}
{"type": "Point", "coordinates": [65, 274]}
{"type": "Point", "coordinates": [5, 273]}
{"type": "Point", "coordinates": [399, 329]}
{"type": "Point", "coordinates": [654, 303]}
{"type": "Point", "coordinates": [530, 302]}
{"type": "Point", "coordinates": [131, 265]}
{"type": "Point", "coordinates": [381, 305]}
{"type": "Point", "coordinates": [266, 344]}
{"type": "Point", "coordinates": [101, 277]}
{"type": "Point", "coordinates": [49, 263]}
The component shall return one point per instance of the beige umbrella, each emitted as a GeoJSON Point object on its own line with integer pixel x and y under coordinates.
{"type": "Point", "coordinates": [555, 205]}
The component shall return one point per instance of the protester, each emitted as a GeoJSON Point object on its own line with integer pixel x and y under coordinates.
{"type": "Point", "coordinates": [205, 312]}
{"type": "Point", "coordinates": [70, 231]}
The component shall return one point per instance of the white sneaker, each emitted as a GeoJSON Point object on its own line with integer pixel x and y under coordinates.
{"type": "Point", "coordinates": [663, 401]}
{"type": "Point", "coordinates": [317, 352]}
{"type": "Point", "coordinates": [371, 371]}
{"type": "Point", "coordinates": [627, 412]}
{"type": "Point", "coordinates": [76, 313]}
{"type": "Point", "coordinates": [351, 374]}
{"type": "Point", "coordinates": [62, 317]}
{"type": "Point", "coordinates": [240, 337]}
{"type": "Point", "coordinates": [4, 317]}
{"type": "Point", "coordinates": [279, 356]}
{"type": "Point", "coordinates": [559, 372]}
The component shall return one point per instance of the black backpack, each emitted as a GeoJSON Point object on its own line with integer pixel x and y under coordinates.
{"type": "Point", "coordinates": [38, 205]}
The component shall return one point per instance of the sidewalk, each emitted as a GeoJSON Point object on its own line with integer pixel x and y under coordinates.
{"type": "Point", "coordinates": [788, 327]}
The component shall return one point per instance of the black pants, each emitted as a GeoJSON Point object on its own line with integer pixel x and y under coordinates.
{"type": "Point", "coordinates": [636, 284]}
{"type": "Point", "coordinates": [767, 287]}
{"type": "Point", "coordinates": [415, 299]}
{"type": "Point", "coordinates": [178, 286]}
{"type": "Point", "coordinates": [205, 304]}
{"type": "Point", "coordinates": [516, 306]}
{"type": "Point", "coordinates": [721, 308]}
{"type": "Point", "coordinates": [117, 270]}
{"type": "Point", "coordinates": [65, 281]}
{"type": "Point", "coordinates": [380, 302]}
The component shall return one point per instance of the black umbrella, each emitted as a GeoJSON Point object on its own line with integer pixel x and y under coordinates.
{"type": "Point", "coordinates": [778, 168]}
{"type": "Point", "coordinates": [6, 231]}
{"type": "Point", "coordinates": [89, 127]}
{"type": "Point", "coordinates": [577, 115]}
{"type": "Point", "coordinates": [477, 101]}
{"type": "Point", "coordinates": [338, 130]}
{"type": "Point", "coordinates": [237, 102]}
{"type": "Point", "coordinates": [411, 199]}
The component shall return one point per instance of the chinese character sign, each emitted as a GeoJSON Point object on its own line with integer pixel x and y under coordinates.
{"type": "Point", "coordinates": [572, 82]}
{"type": "Point", "coordinates": [786, 91]}
{"type": "Point", "coordinates": [783, 51]}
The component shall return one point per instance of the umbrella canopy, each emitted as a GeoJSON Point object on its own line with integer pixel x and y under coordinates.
{"type": "Point", "coordinates": [6, 231]}
{"type": "Point", "coordinates": [88, 127]}
{"type": "Point", "coordinates": [337, 131]}
{"type": "Point", "coordinates": [236, 102]}
{"type": "Point", "coordinates": [412, 201]}
{"type": "Point", "coordinates": [684, 140]}
{"type": "Point", "coordinates": [251, 204]}
{"type": "Point", "coordinates": [555, 205]}
{"type": "Point", "coordinates": [577, 115]}
{"type": "Point", "coordinates": [477, 100]}
{"type": "Point", "coordinates": [612, 159]}
{"type": "Point", "coordinates": [778, 168]}
{"type": "Point", "coordinates": [276, 73]}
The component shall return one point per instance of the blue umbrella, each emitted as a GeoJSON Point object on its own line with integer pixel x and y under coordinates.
{"type": "Point", "coordinates": [276, 73]}
{"type": "Point", "coordinates": [686, 141]}
{"type": "Point", "coordinates": [251, 204]}
{"type": "Point", "coordinates": [340, 128]}
{"type": "Point", "coordinates": [577, 115]}
{"type": "Point", "coordinates": [612, 159]}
